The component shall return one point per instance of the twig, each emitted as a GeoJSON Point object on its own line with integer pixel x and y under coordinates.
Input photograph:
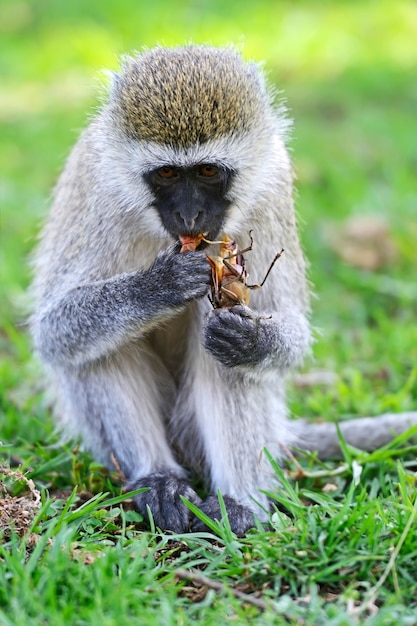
{"type": "Point", "coordinates": [201, 580]}
{"type": "Point", "coordinates": [314, 377]}
{"type": "Point", "coordinates": [325, 473]}
{"type": "Point", "coordinates": [120, 474]}
{"type": "Point", "coordinates": [301, 472]}
{"type": "Point", "coordinates": [18, 475]}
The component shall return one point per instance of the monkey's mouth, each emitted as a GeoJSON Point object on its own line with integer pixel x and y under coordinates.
{"type": "Point", "coordinates": [190, 243]}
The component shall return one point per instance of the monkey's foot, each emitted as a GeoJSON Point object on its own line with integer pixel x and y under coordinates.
{"type": "Point", "coordinates": [241, 518]}
{"type": "Point", "coordinates": [163, 500]}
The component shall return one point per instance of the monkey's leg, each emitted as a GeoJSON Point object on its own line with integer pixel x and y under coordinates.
{"type": "Point", "coordinates": [237, 417]}
{"type": "Point", "coordinates": [120, 406]}
{"type": "Point", "coordinates": [251, 421]}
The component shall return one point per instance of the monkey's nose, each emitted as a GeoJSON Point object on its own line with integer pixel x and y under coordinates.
{"type": "Point", "coordinates": [189, 220]}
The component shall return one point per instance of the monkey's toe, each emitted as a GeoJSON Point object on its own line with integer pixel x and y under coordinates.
{"type": "Point", "coordinates": [164, 502]}
{"type": "Point", "coordinates": [241, 518]}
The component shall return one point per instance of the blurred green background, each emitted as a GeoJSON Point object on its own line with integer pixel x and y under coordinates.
{"type": "Point", "coordinates": [348, 70]}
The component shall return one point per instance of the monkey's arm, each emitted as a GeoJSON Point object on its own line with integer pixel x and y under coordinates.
{"type": "Point", "coordinates": [94, 319]}
{"type": "Point", "coordinates": [241, 337]}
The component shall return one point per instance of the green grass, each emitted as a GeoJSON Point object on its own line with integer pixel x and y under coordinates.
{"type": "Point", "coordinates": [348, 554]}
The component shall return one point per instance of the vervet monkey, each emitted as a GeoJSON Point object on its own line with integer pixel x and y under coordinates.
{"type": "Point", "coordinates": [145, 370]}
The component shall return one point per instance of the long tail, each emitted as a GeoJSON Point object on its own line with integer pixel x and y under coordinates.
{"type": "Point", "coordinates": [365, 433]}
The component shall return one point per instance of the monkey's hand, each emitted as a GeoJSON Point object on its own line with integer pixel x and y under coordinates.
{"type": "Point", "coordinates": [240, 337]}
{"type": "Point", "coordinates": [235, 336]}
{"type": "Point", "coordinates": [164, 502]}
{"type": "Point", "coordinates": [175, 279]}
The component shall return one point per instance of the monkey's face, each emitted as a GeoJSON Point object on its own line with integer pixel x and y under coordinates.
{"type": "Point", "coordinates": [191, 200]}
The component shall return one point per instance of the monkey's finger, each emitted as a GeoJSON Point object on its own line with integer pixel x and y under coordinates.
{"type": "Point", "coordinates": [237, 310]}
{"type": "Point", "coordinates": [240, 322]}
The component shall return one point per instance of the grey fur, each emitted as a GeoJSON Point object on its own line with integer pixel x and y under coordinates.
{"type": "Point", "coordinates": [143, 368]}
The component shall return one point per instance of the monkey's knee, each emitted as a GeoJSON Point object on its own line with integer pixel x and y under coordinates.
{"type": "Point", "coordinates": [164, 502]}
{"type": "Point", "coordinates": [241, 518]}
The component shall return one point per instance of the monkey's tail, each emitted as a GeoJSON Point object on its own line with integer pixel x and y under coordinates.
{"type": "Point", "coordinates": [364, 433]}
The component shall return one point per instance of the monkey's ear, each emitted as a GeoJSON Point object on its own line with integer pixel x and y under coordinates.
{"type": "Point", "coordinates": [106, 82]}
{"type": "Point", "coordinates": [257, 73]}
{"type": "Point", "coordinates": [116, 78]}
{"type": "Point", "coordinates": [114, 84]}
{"type": "Point", "coordinates": [115, 88]}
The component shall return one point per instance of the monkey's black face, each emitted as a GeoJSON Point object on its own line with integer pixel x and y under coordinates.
{"type": "Point", "coordinates": [191, 200]}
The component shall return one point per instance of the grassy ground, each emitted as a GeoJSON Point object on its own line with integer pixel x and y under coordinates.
{"type": "Point", "coordinates": [349, 553]}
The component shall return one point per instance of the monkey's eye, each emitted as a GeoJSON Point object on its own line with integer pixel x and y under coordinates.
{"type": "Point", "coordinates": [208, 170]}
{"type": "Point", "coordinates": [167, 172]}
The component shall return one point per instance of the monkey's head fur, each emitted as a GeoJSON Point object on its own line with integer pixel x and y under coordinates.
{"type": "Point", "coordinates": [188, 95]}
